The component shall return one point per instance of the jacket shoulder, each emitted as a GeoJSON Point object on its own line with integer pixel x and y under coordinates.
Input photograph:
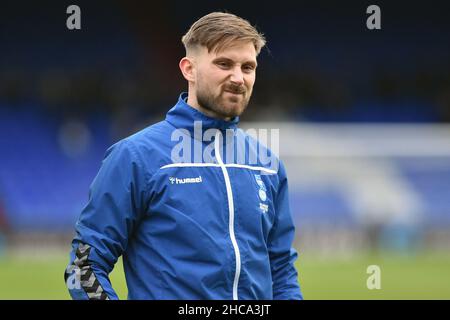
{"type": "Point", "coordinates": [151, 145]}
{"type": "Point", "coordinates": [258, 149]}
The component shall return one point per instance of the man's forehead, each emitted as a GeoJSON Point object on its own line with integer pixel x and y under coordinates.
{"type": "Point", "coordinates": [235, 51]}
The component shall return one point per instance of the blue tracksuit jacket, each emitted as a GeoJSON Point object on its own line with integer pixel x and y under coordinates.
{"type": "Point", "coordinates": [193, 215]}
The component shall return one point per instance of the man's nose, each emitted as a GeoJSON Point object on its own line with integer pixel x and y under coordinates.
{"type": "Point", "coordinates": [237, 76]}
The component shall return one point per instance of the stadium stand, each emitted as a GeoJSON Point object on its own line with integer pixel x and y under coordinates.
{"type": "Point", "coordinates": [65, 97]}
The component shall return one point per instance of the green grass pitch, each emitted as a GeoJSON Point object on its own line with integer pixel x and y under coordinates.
{"type": "Point", "coordinates": [422, 276]}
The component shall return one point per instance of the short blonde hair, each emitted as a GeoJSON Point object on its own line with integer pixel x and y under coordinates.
{"type": "Point", "coordinates": [217, 30]}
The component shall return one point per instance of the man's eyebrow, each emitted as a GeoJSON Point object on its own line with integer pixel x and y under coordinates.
{"type": "Point", "coordinates": [251, 62]}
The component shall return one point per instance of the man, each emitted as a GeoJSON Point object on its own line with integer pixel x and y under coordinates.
{"type": "Point", "coordinates": [189, 228]}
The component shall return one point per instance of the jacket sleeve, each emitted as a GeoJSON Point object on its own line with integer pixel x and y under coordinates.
{"type": "Point", "coordinates": [116, 199]}
{"type": "Point", "coordinates": [282, 254]}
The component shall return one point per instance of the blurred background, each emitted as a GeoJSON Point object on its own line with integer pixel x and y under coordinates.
{"type": "Point", "coordinates": [363, 118]}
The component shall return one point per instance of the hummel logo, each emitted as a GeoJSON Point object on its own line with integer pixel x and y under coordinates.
{"type": "Point", "coordinates": [174, 180]}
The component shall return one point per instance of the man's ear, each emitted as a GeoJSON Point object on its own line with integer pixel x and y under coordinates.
{"type": "Point", "coordinates": [187, 69]}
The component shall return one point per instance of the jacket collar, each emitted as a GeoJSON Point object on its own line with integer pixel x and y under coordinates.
{"type": "Point", "coordinates": [183, 116]}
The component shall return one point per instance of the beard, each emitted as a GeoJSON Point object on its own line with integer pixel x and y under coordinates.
{"type": "Point", "coordinates": [231, 101]}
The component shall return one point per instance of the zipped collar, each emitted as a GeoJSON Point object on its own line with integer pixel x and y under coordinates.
{"type": "Point", "coordinates": [183, 116]}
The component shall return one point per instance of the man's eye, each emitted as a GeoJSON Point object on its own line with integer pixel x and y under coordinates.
{"type": "Point", "coordinates": [223, 64]}
{"type": "Point", "coordinates": [249, 68]}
